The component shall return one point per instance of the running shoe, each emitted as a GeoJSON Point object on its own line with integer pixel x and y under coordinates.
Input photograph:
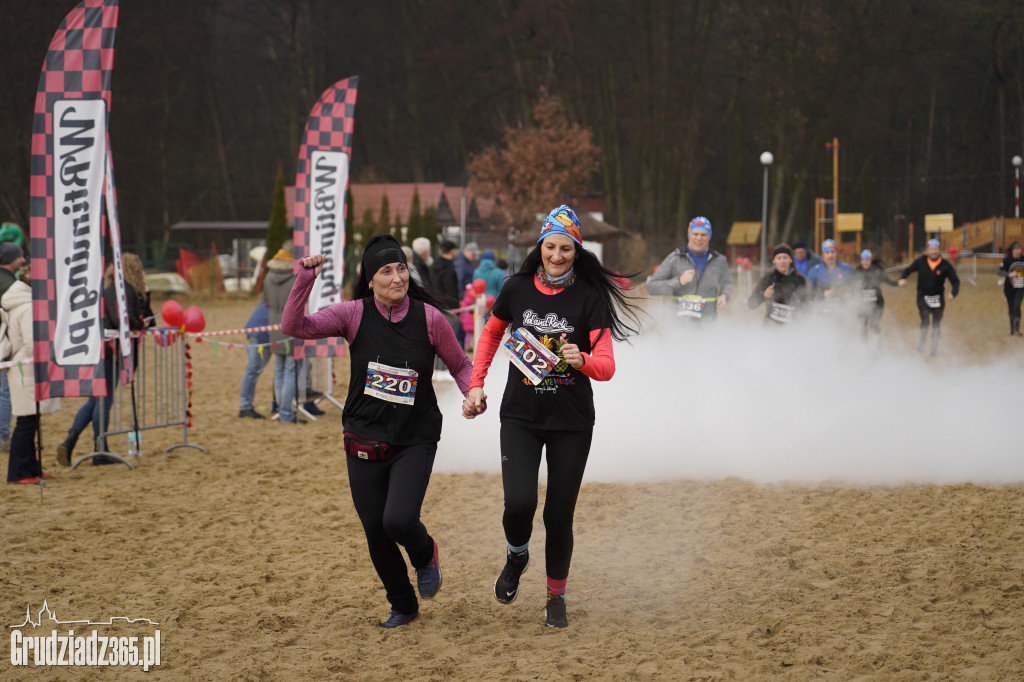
{"type": "Point", "coordinates": [397, 619]}
{"type": "Point", "coordinates": [311, 408]}
{"type": "Point", "coordinates": [250, 414]}
{"type": "Point", "coordinates": [555, 611]}
{"type": "Point", "coordinates": [506, 587]}
{"type": "Point", "coordinates": [428, 578]}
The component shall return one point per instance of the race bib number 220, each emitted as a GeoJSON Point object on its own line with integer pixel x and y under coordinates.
{"type": "Point", "coordinates": [780, 312]}
{"type": "Point", "coordinates": [393, 384]}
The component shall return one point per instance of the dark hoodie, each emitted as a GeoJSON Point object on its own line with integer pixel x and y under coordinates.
{"type": "Point", "coordinates": [446, 281]}
{"type": "Point", "coordinates": [276, 287]}
{"type": "Point", "coordinates": [790, 289]}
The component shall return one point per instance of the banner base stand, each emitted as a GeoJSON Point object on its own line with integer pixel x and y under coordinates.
{"type": "Point", "coordinates": [104, 453]}
{"type": "Point", "coordinates": [200, 448]}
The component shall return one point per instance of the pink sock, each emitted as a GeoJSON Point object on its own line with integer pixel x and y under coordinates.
{"type": "Point", "coordinates": [556, 588]}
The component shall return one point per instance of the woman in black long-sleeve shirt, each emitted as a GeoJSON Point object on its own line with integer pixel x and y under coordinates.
{"type": "Point", "coordinates": [870, 276]}
{"type": "Point", "coordinates": [932, 272]}
{"type": "Point", "coordinates": [97, 408]}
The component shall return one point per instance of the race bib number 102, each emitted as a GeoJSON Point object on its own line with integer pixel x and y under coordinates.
{"type": "Point", "coordinates": [393, 384]}
{"type": "Point", "coordinates": [531, 356]}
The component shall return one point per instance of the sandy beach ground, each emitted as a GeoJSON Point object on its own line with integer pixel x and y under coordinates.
{"type": "Point", "coordinates": [724, 561]}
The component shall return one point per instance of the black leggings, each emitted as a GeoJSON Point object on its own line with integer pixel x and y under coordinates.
{"type": "Point", "coordinates": [567, 453]}
{"type": "Point", "coordinates": [871, 318]}
{"type": "Point", "coordinates": [932, 315]}
{"type": "Point", "coordinates": [22, 462]}
{"type": "Point", "coordinates": [1013, 301]}
{"type": "Point", "coordinates": [388, 496]}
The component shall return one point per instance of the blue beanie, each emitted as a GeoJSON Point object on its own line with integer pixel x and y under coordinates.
{"type": "Point", "coordinates": [487, 255]}
{"type": "Point", "coordinates": [699, 223]}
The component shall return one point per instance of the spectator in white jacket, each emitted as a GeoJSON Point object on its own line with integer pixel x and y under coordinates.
{"type": "Point", "coordinates": [22, 465]}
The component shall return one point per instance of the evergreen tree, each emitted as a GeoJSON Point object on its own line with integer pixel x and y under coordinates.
{"type": "Point", "coordinates": [278, 230]}
{"type": "Point", "coordinates": [350, 211]}
{"type": "Point", "coordinates": [430, 225]}
{"type": "Point", "coordinates": [368, 227]}
{"type": "Point", "coordinates": [415, 217]}
{"type": "Point", "coordinates": [350, 239]}
{"type": "Point", "coordinates": [384, 219]}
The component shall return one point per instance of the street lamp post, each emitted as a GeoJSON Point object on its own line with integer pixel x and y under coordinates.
{"type": "Point", "coordinates": [1016, 185]}
{"type": "Point", "coordinates": [766, 161]}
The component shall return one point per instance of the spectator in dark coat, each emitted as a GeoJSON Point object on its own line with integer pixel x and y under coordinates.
{"type": "Point", "coordinates": [444, 277]}
{"type": "Point", "coordinates": [276, 288]}
{"type": "Point", "coordinates": [465, 264]}
{"type": "Point", "coordinates": [422, 260]}
{"type": "Point", "coordinates": [446, 285]}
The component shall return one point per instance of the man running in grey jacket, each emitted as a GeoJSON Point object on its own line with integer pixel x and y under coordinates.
{"type": "Point", "coordinates": [697, 275]}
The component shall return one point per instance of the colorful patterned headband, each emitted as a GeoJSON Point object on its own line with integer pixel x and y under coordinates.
{"type": "Point", "coordinates": [562, 220]}
{"type": "Point", "coordinates": [829, 245]}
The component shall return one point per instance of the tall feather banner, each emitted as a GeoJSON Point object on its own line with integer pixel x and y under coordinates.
{"type": "Point", "coordinates": [114, 228]}
{"type": "Point", "coordinates": [69, 147]}
{"type": "Point", "coordinates": [321, 180]}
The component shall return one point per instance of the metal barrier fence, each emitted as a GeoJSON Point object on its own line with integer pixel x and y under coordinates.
{"type": "Point", "coordinates": [159, 397]}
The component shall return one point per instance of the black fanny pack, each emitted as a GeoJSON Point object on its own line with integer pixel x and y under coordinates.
{"type": "Point", "coordinates": [364, 448]}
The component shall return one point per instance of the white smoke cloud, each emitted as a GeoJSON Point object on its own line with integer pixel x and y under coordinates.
{"type": "Point", "coordinates": [809, 403]}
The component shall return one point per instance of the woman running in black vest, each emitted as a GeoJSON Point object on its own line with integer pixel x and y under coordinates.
{"type": "Point", "coordinates": [1012, 269]}
{"type": "Point", "coordinates": [564, 308]}
{"type": "Point", "coordinates": [391, 420]}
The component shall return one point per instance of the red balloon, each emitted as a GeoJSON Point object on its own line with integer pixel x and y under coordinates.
{"type": "Point", "coordinates": [194, 320]}
{"type": "Point", "coordinates": [172, 313]}
{"type": "Point", "coordinates": [479, 285]}
{"type": "Point", "coordinates": [489, 301]}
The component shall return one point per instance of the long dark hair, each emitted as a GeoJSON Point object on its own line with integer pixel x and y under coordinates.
{"type": "Point", "coordinates": [361, 288]}
{"type": "Point", "coordinates": [623, 315]}
{"type": "Point", "coordinates": [1010, 248]}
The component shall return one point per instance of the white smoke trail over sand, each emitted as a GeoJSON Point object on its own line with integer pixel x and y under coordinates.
{"type": "Point", "coordinates": [808, 403]}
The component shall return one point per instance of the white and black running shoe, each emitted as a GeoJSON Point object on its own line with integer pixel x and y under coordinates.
{"type": "Point", "coordinates": [506, 587]}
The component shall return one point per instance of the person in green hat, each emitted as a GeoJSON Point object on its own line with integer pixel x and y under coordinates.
{"type": "Point", "coordinates": [11, 232]}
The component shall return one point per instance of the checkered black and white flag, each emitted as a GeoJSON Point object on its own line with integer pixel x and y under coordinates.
{"type": "Point", "coordinates": [69, 146]}
{"type": "Point", "coordinates": [321, 180]}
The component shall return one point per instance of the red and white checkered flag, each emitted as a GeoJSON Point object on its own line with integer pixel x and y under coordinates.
{"type": "Point", "coordinates": [69, 143]}
{"type": "Point", "coordinates": [321, 180]}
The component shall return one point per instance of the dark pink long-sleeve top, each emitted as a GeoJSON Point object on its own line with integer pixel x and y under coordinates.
{"type": "Point", "coordinates": [342, 319]}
